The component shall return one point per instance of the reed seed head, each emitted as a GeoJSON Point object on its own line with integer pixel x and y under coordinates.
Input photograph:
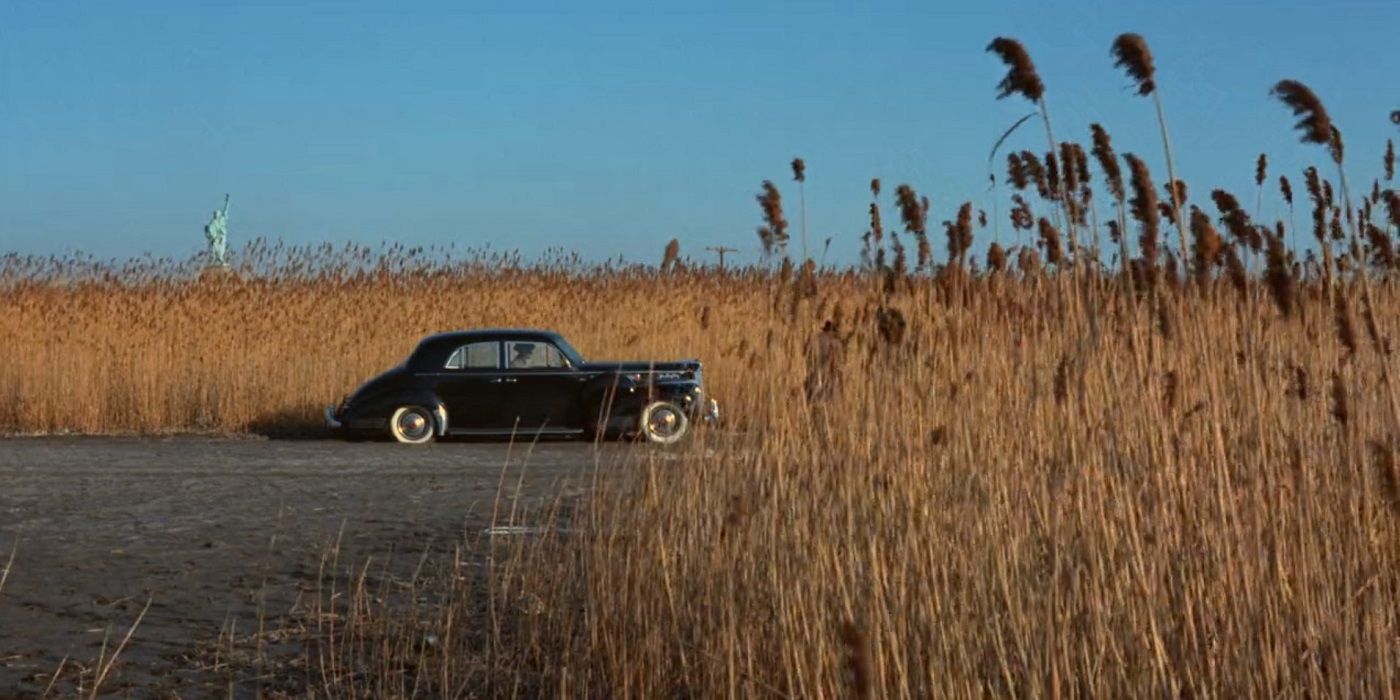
{"type": "Point", "coordinates": [1382, 252]}
{"type": "Point", "coordinates": [1036, 173]}
{"type": "Point", "coordinates": [996, 257]}
{"type": "Point", "coordinates": [1236, 220]}
{"type": "Point", "coordinates": [1021, 77]}
{"type": "Point", "coordinates": [1144, 208]}
{"type": "Point", "coordinates": [901, 260]}
{"type": "Point", "coordinates": [1108, 161]}
{"type": "Point", "coordinates": [1206, 244]}
{"type": "Point", "coordinates": [1052, 175]}
{"type": "Point", "coordinates": [1081, 163]}
{"type": "Point", "coordinates": [960, 233]}
{"type": "Point", "coordinates": [1016, 171]}
{"type": "Point", "coordinates": [1166, 208]}
{"type": "Point", "coordinates": [911, 210]}
{"type": "Point", "coordinates": [1130, 53]}
{"type": "Point", "coordinates": [1278, 274]}
{"type": "Point", "coordinates": [774, 232]}
{"type": "Point", "coordinates": [1234, 269]}
{"type": "Point", "coordinates": [1314, 185]}
{"type": "Point", "coordinates": [1050, 241]}
{"type": "Point", "coordinates": [765, 235]}
{"type": "Point", "coordinates": [672, 257]}
{"type": "Point", "coordinates": [1314, 123]}
{"type": "Point", "coordinates": [1335, 146]}
{"type": "Point", "coordinates": [1022, 219]}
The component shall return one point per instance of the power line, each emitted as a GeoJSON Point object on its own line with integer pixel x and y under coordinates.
{"type": "Point", "coordinates": [721, 250]}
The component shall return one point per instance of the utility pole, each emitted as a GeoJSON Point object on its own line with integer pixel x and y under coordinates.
{"type": "Point", "coordinates": [721, 250]}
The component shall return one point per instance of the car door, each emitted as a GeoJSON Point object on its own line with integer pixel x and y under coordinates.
{"type": "Point", "coordinates": [541, 389]}
{"type": "Point", "coordinates": [471, 386]}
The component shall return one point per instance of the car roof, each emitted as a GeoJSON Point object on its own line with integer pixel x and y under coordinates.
{"type": "Point", "coordinates": [468, 336]}
{"type": "Point", "coordinates": [434, 349]}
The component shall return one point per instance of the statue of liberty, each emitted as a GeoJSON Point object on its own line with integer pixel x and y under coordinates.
{"type": "Point", "coordinates": [216, 232]}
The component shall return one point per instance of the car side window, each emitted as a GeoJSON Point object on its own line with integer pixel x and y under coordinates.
{"type": "Point", "coordinates": [480, 355]}
{"type": "Point", "coordinates": [528, 354]}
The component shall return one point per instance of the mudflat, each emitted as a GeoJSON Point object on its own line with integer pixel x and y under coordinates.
{"type": "Point", "coordinates": [226, 538]}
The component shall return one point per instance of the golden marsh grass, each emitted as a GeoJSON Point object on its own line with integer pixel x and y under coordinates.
{"type": "Point", "coordinates": [1175, 476]}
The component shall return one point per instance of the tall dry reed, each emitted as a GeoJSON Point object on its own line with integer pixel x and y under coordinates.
{"type": "Point", "coordinates": [1131, 53]}
{"type": "Point", "coordinates": [1000, 492]}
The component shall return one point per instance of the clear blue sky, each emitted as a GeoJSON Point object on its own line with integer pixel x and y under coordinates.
{"type": "Point", "coordinates": [611, 130]}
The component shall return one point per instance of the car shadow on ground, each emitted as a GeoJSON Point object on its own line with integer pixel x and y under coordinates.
{"type": "Point", "coordinates": [307, 424]}
{"type": "Point", "coordinates": [291, 424]}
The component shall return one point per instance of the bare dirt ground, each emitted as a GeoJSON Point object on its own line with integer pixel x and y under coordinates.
{"type": "Point", "coordinates": [223, 537]}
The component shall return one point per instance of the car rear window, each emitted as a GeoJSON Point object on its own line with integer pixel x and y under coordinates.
{"type": "Point", "coordinates": [480, 355]}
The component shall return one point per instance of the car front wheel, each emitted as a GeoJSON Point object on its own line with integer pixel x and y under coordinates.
{"type": "Point", "coordinates": [412, 425]}
{"type": "Point", "coordinates": [664, 423]}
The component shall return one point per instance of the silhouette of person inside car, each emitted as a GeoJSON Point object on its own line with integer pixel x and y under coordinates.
{"type": "Point", "coordinates": [524, 356]}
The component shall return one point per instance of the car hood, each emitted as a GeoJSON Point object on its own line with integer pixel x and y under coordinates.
{"type": "Point", "coordinates": [385, 380]}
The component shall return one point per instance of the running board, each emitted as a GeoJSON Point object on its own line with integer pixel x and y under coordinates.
{"type": "Point", "coordinates": [518, 432]}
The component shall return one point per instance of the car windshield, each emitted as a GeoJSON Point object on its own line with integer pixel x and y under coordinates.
{"type": "Point", "coordinates": [575, 359]}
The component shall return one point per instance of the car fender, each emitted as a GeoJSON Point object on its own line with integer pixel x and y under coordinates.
{"type": "Point", "coordinates": [686, 394]}
{"type": "Point", "coordinates": [384, 405]}
{"type": "Point", "coordinates": [617, 395]}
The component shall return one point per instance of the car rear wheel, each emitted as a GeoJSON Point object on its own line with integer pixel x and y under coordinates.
{"type": "Point", "coordinates": [412, 425]}
{"type": "Point", "coordinates": [664, 423]}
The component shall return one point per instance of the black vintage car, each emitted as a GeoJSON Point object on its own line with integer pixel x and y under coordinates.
{"type": "Point", "coordinates": [502, 382]}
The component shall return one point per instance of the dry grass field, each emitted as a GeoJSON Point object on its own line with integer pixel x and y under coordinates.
{"type": "Point", "coordinates": [1019, 475]}
{"type": "Point", "coordinates": [1029, 484]}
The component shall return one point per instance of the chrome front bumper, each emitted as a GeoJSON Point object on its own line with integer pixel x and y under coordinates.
{"type": "Point", "coordinates": [711, 414]}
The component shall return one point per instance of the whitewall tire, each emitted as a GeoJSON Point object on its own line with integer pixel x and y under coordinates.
{"type": "Point", "coordinates": [663, 423]}
{"type": "Point", "coordinates": [412, 425]}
